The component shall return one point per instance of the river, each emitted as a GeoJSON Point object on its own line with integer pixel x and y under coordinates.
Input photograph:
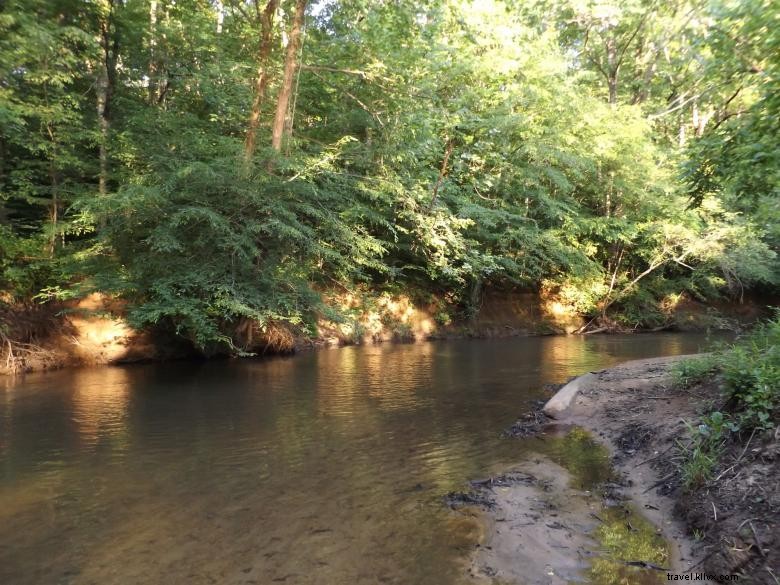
{"type": "Point", "coordinates": [325, 468]}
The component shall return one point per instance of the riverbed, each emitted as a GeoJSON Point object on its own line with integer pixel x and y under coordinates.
{"type": "Point", "coordinates": [329, 467]}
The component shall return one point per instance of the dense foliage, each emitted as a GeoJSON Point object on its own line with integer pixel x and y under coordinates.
{"type": "Point", "coordinates": [216, 161]}
{"type": "Point", "coordinates": [749, 371]}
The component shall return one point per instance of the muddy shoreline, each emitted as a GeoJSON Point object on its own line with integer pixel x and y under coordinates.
{"type": "Point", "coordinates": [636, 414]}
{"type": "Point", "coordinates": [551, 529]}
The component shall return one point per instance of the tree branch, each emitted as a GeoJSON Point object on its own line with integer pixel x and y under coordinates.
{"type": "Point", "coordinates": [622, 52]}
{"type": "Point", "coordinates": [357, 72]}
{"type": "Point", "coordinates": [350, 95]}
{"type": "Point", "coordinates": [442, 171]}
{"type": "Point", "coordinates": [598, 66]}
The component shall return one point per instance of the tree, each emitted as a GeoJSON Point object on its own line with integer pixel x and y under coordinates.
{"type": "Point", "coordinates": [441, 147]}
{"type": "Point", "coordinates": [266, 19]}
{"type": "Point", "coordinates": [106, 83]}
{"type": "Point", "coordinates": [280, 127]}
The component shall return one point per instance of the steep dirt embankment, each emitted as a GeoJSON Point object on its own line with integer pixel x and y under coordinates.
{"type": "Point", "coordinates": [377, 317]}
{"type": "Point", "coordinates": [88, 332]}
{"type": "Point", "coordinates": [92, 331]}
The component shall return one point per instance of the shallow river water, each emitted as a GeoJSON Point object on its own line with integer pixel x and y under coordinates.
{"type": "Point", "coordinates": [327, 468]}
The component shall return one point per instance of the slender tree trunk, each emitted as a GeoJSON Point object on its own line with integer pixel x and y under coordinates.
{"type": "Point", "coordinates": [263, 75]}
{"type": "Point", "coordinates": [54, 204]}
{"type": "Point", "coordinates": [475, 297]}
{"type": "Point", "coordinates": [152, 71]}
{"type": "Point", "coordinates": [106, 85]}
{"type": "Point", "coordinates": [612, 83]}
{"type": "Point", "coordinates": [641, 94]}
{"type": "Point", "coordinates": [605, 304]}
{"type": "Point", "coordinates": [442, 171]}
{"type": "Point", "coordinates": [220, 7]}
{"type": "Point", "coordinates": [158, 82]}
{"type": "Point", "coordinates": [2, 175]}
{"type": "Point", "coordinates": [102, 98]}
{"type": "Point", "coordinates": [612, 70]}
{"type": "Point", "coordinates": [54, 207]}
{"type": "Point", "coordinates": [701, 123]}
{"type": "Point", "coordinates": [290, 67]}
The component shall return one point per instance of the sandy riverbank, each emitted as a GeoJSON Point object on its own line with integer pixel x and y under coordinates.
{"type": "Point", "coordinates": [545, 526]}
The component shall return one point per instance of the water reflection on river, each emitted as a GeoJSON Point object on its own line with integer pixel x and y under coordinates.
{"type": "Point", "coordinates": [325, 468]}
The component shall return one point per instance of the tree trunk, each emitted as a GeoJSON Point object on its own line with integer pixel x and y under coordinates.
{"type": "Point", "coordinates": [152, 72]}
{"type": "Point", "coordinates": [612, 70]}
{"type": "Point", "coordinates": [612, 84]}
{"type": "Point", "coordinates": [643, 92]}
{"type": "Point", "coordinates": [701, 123]}
{"type": "Point", "coordinates": [261, 83]}
{"type": "Point", "coordinates": [103, 123]}
{"type": "Point", "coordinates": [450, 144]}
{"type": "Point", "coordinates": [220, 7]}
{"type": "Point", "coordinates": [290, 67]}
{"type": "Point", "coordinates": [475, 297]}
{"type": "Point", "coordinates": [2, 175]}
{"type": "Point", "coordinates": [106, 85]}
{"type": "Point", "coordinates": [54, 206]}
{"type": "Point", "coordinates": [158, 81]}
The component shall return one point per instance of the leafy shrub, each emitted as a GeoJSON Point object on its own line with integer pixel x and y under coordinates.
{"type": "Point", "coordinates": [706, 444]}
{"type": "Point", "coordinates": [443, 318]}
{"type": "Point", "coordinates": [751, 375]}
{"type": "Point", "coordinates": [751, 370]}
{"type": "Point", "coordinates": [688, 372]}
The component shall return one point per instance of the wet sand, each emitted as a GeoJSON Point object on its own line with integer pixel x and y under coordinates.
{"type": "Point", "coordinates": [546, 526]}
{"type": "Point", "coordinates": [625, 408]}
{"type": "Point", "coordinates": [537, 517]}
